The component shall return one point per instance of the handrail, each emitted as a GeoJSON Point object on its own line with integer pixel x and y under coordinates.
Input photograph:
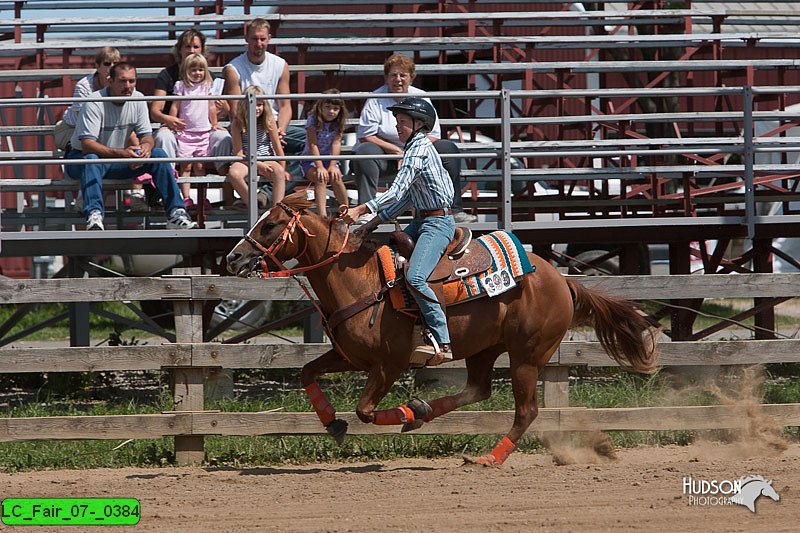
{"type": "Point", "coordinates": [700, 157]}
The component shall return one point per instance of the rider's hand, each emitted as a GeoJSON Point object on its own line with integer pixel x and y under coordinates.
{"type": "Point", "coordinates": [353, 213]}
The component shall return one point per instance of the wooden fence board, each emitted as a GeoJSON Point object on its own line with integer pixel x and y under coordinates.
{"type": "Point", "coordinates": [256, 355]}
{"type": "Point", "coordinates": [94, 359]}
{"type": "Point", "coordinates": [745, 352]}
{"type": "Point", "coordinates": [694, 286]}
{"type": "Point", "coordinates": [287, 356]}
{"type": "Point", "coordinates": [499, 422]}
{"type": "Point", "coordinates": [94, 427]}
{"type": "Point", "coordinates": [234, 288]}
{"type": "Point", "coordinates": [16, 291]}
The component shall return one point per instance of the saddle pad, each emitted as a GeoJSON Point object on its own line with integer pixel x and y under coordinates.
{"type": "Point", "coordinates": [505, 249]}
{"type": "Point", "coordinates": [507, 253]}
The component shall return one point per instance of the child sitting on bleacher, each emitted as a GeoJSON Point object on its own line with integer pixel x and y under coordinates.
{"type": "Point", "coordinates": [267, 144]}
{"type": "Point", "coordinates": [325, 125]}
{"type": "Point", "coordinates": [200, 117]}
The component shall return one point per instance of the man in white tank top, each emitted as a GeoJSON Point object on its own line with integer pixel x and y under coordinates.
{"type": "Point", "coordinates": [258, 67]}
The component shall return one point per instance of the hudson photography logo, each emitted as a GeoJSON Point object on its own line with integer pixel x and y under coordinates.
{"type": "Point", "coordinates": [743, 491]}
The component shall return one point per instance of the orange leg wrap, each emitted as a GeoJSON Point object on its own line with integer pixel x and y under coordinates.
{"type": "Point", "coordinates": [499, 454]}
{"type": "Point", "coordinates": [398, 415]}
{"type": "Point", "coordinates": [322, 406]}
{"type": "Point", "coordinates": [440, 406]}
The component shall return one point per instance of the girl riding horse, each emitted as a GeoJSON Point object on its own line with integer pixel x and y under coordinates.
{"type": "Point", "coordinates": [370, 335]}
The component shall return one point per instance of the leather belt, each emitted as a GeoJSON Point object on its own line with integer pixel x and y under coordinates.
{"type": "Point", "coordinates": [434, 213]}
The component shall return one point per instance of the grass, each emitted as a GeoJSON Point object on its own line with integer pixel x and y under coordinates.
{"type": "Point", "coordinates": [101, 327]}
{"type": "Point", "coordinates": [598, 388]}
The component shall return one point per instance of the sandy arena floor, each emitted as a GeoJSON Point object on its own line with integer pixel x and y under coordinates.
{"type": "Point", "coordinates": [641, 490]}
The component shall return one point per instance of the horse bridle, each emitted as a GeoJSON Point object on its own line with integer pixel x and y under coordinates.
{"type": "Point", "coordinates": [281, 240]}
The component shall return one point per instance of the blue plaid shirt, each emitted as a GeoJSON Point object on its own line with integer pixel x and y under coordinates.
{"type": "Point", "coordinates": [421, 182]}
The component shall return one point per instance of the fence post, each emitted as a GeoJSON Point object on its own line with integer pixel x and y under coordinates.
{"type": "Point", "coordinates": [555, 386]}
{"type": "Point", "coordinates": [187, 383]}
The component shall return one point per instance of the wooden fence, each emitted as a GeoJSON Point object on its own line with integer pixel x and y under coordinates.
{"type": "Point", "coordinates": [191, 362]}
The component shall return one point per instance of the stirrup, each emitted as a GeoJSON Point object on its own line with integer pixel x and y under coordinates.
{"type": "Point", "coordinates": [434, 356]}
{"type": "Point", "coordinates": [443, 355]}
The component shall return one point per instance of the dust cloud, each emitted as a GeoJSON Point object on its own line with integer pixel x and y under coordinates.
{"type": "Point", "coordinates": [759, 435]}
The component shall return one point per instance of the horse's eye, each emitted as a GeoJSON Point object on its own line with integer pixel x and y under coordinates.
{"type": "Point", "coordinates": [266, 227]}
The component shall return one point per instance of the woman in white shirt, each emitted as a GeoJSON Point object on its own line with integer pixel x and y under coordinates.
{"type": "Point", "coordinates": [377, 135]}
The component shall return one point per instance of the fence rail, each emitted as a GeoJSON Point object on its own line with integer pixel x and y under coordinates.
{"type": "Point", "coordinates": [190, 362]}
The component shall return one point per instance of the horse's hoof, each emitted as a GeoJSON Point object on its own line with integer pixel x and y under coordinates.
{"type": "Point", "coordinates": [486, 460]}
{"type": "Point", "coordinates": [338, 430]}
{"type": "Point", "coordinates": [420, 408]}
{"type": "Point", "coordinates": [411, 426]}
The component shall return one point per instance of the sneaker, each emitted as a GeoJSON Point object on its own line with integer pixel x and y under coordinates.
{"type": "Point", "coordinates": [462, 217]}
{"type": "Point", "coordinates": [188, 203]}
{"type": "Point", "coordinates": [94, 222]}
{"type": "Point", "coordinates": [139, 204]}
{"type": "Point", "coordinates": [179, 219]}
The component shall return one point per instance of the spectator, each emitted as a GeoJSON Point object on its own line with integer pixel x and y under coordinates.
{"type": "Point", "coordinates": [189, 42]}
{"type": "Point", "coordinates": [267, 144]}
{"type": "Point", "coordinates": [199, 117]}
{"type": "Point", "coordinates": [258, 67]}
{"type": "Point", "coordinates": [102, 133]}
{"type": "Point", "coordinates": [325, 125]}
{"type": "Point", "coordinates": [377, 135]}
{"type": "Point", "coordinates": [105, 58]}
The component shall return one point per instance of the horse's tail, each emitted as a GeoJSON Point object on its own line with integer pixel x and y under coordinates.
{"type": "Point", "coordinates": [623, 332]}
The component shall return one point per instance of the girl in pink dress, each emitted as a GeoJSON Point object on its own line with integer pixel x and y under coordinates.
{"type": "Point", "coordinates": [200, 117]}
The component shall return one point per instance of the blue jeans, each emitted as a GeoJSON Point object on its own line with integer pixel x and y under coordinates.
{"type": "Point", "coordinates": [91, 178]}
{"type": "Point", "coordinates": [432, 234]}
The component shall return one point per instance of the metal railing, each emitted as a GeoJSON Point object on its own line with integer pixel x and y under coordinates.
{"type": "Point", "coordinates": [674, 166]}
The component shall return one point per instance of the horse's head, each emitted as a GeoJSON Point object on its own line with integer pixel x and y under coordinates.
{"type": "Point", "coordinates": [769, 491]}
{"type": "Point", "coordinates": [277, 236]}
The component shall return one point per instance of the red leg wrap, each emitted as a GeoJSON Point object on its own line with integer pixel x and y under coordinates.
{"type": "Point", "coordinates": [500, 452]}
{"type": "Point", "coordinates": [398, 415]}
{"type": "Point", "coordinates": [440, 406]}
{"type": "Point", "coordinates": [322, 406]}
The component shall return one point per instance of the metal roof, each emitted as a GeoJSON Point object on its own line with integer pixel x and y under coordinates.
{"type": "Point", "coordinates": [742, 11]}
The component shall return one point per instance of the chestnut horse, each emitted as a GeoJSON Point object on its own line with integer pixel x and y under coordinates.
{"type": "Point", "coordinates": [528, 321]}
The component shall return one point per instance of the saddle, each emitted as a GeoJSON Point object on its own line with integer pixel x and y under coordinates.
{"type": "Point", "coordinates": [462, 257]}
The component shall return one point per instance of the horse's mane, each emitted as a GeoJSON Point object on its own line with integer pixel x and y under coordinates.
{"type": "Point", "coordinates": [748, 479]}
{"type": "Point", "coordinates": [298, 200]}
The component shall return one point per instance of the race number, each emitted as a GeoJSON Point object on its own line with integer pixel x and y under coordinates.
{"type": "Point", "coordinates": [498, 282]}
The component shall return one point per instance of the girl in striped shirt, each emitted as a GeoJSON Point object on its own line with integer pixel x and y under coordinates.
{"type": "Point", "coordinates": [267, 144]}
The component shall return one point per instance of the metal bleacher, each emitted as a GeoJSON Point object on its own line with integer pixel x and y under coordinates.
{"type": "Point", "coordinates": [656, 138]}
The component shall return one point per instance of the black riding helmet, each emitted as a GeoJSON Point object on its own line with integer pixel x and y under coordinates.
{"type": "Point", "coordinates": [417, 108]}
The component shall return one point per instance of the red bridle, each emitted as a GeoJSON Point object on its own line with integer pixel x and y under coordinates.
{"type": "Point", "coordinates": [282, 239]}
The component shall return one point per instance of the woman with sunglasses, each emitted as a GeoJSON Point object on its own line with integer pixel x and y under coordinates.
{"type": "Point", "coordinates": [105, 58]}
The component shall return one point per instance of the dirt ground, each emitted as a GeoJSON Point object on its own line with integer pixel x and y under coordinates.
{"type": "Point", "coordinates": [641, 490]}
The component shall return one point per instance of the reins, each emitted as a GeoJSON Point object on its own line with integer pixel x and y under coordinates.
{"type": "Point", "coordinates": [282, 239]}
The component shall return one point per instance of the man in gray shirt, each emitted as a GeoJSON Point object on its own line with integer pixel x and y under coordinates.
{"type": "Point", "coordinates": [102, 132]}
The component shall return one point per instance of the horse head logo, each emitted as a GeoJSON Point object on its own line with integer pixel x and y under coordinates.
{"type": "Point", "coordinates": [751, 488]}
